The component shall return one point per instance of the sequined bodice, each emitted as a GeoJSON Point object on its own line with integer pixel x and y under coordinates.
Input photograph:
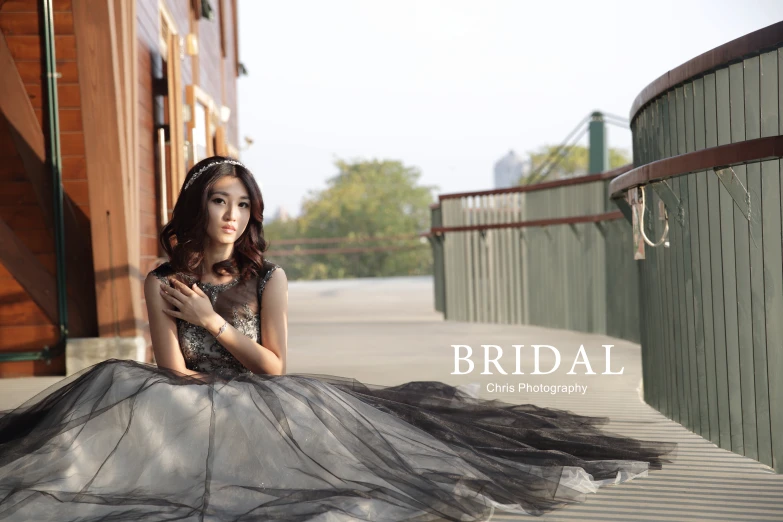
{"type": "Point", "coordinates": [239, 303]}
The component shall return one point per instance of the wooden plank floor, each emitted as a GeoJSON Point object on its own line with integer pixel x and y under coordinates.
{"type": "Point", "coordinates": [384, 331]}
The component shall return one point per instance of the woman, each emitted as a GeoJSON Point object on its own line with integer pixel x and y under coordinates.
{"type": "Point", "coordinates": [218, 430]}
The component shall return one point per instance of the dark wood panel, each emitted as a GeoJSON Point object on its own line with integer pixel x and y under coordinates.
{"type": "Point", "coordinates": [21, 310]}
{"type": "Point", "coordinates": [33, 368]}
{"type": "Point", "coordinates": [37, 241]}
{"type": "Point", "coordinates": [77, 190]}
{"type": "Point", "coordinates": [27, 47]}
{"type": "Point", "coordinates": [28, 24]}
{"type": "Point", "coordinates": [22, 217]}
{"type": "Point", "coordinates": [11, 168]}
{"type": "Point", "coordinates": [70, 119]}
{"type": "Point", "coordinates": [68, 96]}
{"type": "Point", "coordinates": [22, 6]}
{"type": "Point", "coordinates": [32, 72]}
{"type": "Point", "coordinates": [23, 338]}
{"type": "Point", "coordinates": [18, 193]}
{"type": "Point", "coordinates": [29, 140]}
{"type": "Point", "coordinates": [72, 143]}
{"type": "Point", "coordinates": [47, 260]}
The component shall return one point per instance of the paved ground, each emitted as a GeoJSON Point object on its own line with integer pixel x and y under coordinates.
{"type": "Point", "coordinates": [384, 331]}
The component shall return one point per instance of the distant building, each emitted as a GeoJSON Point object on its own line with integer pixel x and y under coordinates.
{"type": "Point", "coordinates": [281, 214]}
{"type": "Point", "coordinates": [510, 169]}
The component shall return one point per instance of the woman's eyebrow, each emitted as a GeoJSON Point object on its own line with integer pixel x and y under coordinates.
{"type": "Point", "coordinates": [225, 194]}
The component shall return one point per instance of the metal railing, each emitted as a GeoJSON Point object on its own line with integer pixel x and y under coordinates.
{"type": "Point", "coordinates": [552, 254]}
{"type": "Point", "coordinates": [707, 148]}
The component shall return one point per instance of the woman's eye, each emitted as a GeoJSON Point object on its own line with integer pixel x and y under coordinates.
{"type": "Point", "coordinates": [220, 200]}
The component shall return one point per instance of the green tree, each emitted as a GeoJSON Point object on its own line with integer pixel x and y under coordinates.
{"type": "Point", "coordinates": [574, 161]}
{"type": "Point", "coordinates": [365, 199]}
{"type": "Point", "coordinates": [618, 158]}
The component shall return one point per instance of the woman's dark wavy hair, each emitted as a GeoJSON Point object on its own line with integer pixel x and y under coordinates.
{"type": "Point", "coordinates": [183, 238]}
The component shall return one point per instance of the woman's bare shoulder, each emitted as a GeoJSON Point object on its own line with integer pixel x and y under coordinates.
{"type": "Point", "coordinates": [161, 272]}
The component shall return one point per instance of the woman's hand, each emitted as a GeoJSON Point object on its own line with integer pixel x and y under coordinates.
{"type": "Point", "coordinates": [193, 304]}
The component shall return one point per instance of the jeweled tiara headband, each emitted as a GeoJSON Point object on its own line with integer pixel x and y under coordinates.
{"type": "Point", "coordinates": [205, 167]}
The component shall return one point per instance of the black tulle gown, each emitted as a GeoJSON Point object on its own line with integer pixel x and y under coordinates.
{"type": "Point", "coordinates": [123, 440]}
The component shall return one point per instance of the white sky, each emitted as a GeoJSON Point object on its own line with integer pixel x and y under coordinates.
{"type": "Point", "coordinates": [450, 86]}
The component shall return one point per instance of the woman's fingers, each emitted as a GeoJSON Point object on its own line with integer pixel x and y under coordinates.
{"type": "Point", "coordinates": [170, 291]}
{"type": "Point", "coordinates": [172, 313]}
{"type": "Point", "coordinates": [167, 294]}
{"type": "Point", "coordinates": [182, 288]}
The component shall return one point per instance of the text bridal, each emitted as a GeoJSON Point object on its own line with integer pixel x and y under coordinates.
{"type": "Point", "coordinates": [581, 358]}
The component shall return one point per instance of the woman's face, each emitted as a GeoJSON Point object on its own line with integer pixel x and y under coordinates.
{"type": "Point", "coordinates": [229, 208]}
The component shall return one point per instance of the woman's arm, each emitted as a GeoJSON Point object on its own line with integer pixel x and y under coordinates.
{"type": "Point", "coordinates": [163, 330]}
{"type": "Point", "coordinates": [269, 358]}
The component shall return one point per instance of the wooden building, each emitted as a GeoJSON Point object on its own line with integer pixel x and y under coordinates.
{"type": "Point", "coordinates": [105, 105]}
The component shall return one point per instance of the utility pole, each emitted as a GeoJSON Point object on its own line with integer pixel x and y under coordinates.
{"type": "Point", "coordinates": [599, 153]}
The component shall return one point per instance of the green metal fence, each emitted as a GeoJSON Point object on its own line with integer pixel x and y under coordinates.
{"type": "Point", "coordinates": [554, 254]}
{"type": "Point", "coordinates": [707, 143]}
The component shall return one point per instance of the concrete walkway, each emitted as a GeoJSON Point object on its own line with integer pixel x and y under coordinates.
{"type": "Point", "coordinates": [384, 331]}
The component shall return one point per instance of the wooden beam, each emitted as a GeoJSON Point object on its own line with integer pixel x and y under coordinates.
{"type": "Point", "coordinates": [176, 121]}
{"type": "Point", "coordinates": [118, 279]}
{"type": "Point", "coordinates": [124, 19]}
{"type": "Point", "coordinates": [28, 138]}
{"type": "Point", "coordinates": [19, 112]}
{"type": "Point", "coordinates": [133, 125]}
{"type": "Point", "coordinates": [234, 8]}
{"type": "Point", "coordinates": [39, 284]}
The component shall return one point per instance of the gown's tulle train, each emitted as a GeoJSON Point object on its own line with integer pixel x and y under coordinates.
{"type": "Point", "coordinates": [123, 440]}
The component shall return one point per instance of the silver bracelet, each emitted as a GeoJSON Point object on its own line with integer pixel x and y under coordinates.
{"type": "Point", "coordinates": [222, 329]}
